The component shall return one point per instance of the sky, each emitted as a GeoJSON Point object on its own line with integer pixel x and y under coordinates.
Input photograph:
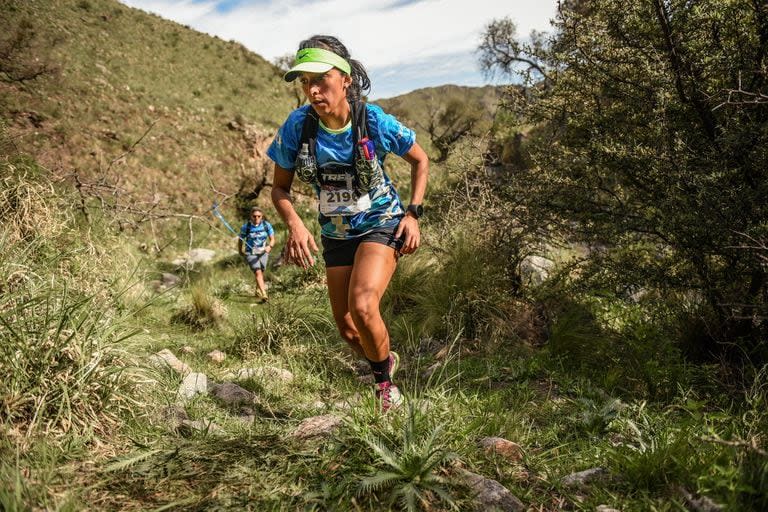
{"type": "Point", "coordinates": [403, 44]}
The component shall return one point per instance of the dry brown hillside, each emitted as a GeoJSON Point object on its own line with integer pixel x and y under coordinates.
{"type": "Point", "coordinates": [135, 109]}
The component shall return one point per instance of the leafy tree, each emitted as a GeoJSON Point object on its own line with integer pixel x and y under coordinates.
{"type": "Point", "coordinates": [447, 124]}
{"type": "Point", "coordinates": [652, 148]}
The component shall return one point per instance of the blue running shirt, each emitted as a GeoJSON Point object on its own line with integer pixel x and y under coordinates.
{"type": "Point", "coordinates": [255, 236]}
{"type": "Point", "coordinates": [334, 148]}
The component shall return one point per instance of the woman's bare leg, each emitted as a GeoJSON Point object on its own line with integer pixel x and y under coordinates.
{"type": "Point", "coordinates": [338, 291]}
{"type": "Point", "coordinates": [370, 275]}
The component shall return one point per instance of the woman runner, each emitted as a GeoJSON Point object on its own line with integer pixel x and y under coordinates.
{"type": "Point", "coordinates": [365, 226]}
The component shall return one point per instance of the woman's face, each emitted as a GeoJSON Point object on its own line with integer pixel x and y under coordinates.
{"type": "Point", "coordinates": [326, 92]}
{"type": "Point", "coordinates": [256, 217]}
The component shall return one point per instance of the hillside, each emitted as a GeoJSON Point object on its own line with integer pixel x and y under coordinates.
{"type": "Point", "coordinates": [147, 112]}
{"type": "Point", "coordinates": [439, 111]}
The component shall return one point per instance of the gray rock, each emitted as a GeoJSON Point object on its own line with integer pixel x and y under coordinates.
{"type": "Point", "coordinates": [170, 280]}
{"type": "Point", "coordinates": [490, 494]}
{"type": "Point", "coordinates": [200, 255]}
{"type": "Point", "coordinates": [264, 373]}
{"type": "Point", "coordinates": [317, 426]}
{"type": "Point", "coordinates": [232, 394]}
{"type": "Point", "coordinates": [582, 478]}
{"type": "Point", "coordinates": [700, 503]}
{"type": "Point", "coordinates": [193, 384]}
{"type": "Point", "coordinates": [166, 357]}
{"type": "Point", "coordinates": [534, 270]}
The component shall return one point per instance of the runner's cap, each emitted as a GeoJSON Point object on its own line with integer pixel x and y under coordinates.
{"type": "Point", "coordinates": [316, 60]}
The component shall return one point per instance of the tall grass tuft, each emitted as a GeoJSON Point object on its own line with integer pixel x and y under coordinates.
{"type": "Point", "coordinates": [59, 356]}
{"type": "Point", "coordinates": [202, 311]}
{"type": "Point", "coordinates": [277, 324]}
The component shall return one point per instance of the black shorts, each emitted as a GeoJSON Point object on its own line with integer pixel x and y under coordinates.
{"type": "Point", "coordinates": [341, 253]}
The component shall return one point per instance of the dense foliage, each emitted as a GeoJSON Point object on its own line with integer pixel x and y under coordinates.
{"type": "Point", "coordinates": [651, 149]}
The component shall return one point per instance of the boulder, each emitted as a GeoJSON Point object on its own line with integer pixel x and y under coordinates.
{"type": "Point", "coordinates": [534, 270]}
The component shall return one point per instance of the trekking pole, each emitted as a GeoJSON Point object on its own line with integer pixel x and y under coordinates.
{"type": "Point", "coordinates": [218, 215]}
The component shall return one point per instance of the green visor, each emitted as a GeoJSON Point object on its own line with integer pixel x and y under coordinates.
{"type": "Point", "coordinates": [315, 60]}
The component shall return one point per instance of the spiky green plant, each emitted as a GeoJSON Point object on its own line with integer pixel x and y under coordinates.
{"type": "Point", "coordinates": [410, 470]}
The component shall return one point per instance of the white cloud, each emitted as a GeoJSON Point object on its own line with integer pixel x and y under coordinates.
{"type": "Point", "coordinates": [381, 35]}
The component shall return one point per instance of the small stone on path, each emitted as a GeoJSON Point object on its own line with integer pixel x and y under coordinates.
{"type": "Point", "coordinates": [232, 394]}
{"type": "Point", "coordinates": [490, 494]}
{"type": "Point", "coordinates": [193, 384]}
{"type": "Point", "coordinates": [317, 426]}
{"type": "Point", "coordinates": [264, 372]}
{"type": "Point", "coordinates": [582, 478]}
{"type": "Point", "coordinates": [217, 356]}
{"type": "Point", "coordinates": [170, 280]}
{"type": "Point", "coordinates": [507, 449]}
{"type": "Point", "coordinates": [166, 357]}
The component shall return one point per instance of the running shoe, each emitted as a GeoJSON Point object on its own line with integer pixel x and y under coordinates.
{"type": "Point", "coordinates": [388, 396]}
{"type": "Point", "coordinates": [394, 364]}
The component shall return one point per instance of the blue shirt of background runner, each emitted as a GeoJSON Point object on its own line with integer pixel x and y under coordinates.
{"type": "Point", "coordinates": [255, 236]}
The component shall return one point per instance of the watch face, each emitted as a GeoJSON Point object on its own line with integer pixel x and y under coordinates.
{"type": "Point", "coordinates": [416, 209]}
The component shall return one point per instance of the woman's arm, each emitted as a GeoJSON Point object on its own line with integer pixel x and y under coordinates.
{"type": "Point", "coordinates": [300, 242]}
{"type": "Point", "coordinates": [409, 225]}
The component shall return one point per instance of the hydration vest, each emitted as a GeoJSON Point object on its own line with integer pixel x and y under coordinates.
{"type": "Point", "coordinates": [364, 174]}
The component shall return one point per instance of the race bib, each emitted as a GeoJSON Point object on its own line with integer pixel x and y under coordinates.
{"type": "Point", "coordinates": [342, 202]}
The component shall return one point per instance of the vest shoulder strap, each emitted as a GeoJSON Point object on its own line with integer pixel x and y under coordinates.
{"type": "Point", "coordinates": [312, 124]}
{"type": "Point", "coordinates": [309, 131]}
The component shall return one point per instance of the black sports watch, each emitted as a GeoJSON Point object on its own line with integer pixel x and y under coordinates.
{"type": "Point", "coordinates": [416, 209]}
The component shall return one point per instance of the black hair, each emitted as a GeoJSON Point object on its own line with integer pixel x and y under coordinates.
{"type": "Point", "coordinates": [361, 84]}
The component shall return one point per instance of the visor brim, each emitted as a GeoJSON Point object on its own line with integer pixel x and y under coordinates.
{"type": "Point", "coordinates": [306, 67]}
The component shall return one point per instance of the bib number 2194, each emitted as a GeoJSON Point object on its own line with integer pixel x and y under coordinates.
{"type": "Point", "coordinates": [341, 201]}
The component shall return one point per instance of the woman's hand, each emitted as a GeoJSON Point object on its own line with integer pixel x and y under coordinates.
{"type": "Point", "coordinates": [301, 245]}
{"type": "Point", "coordinates": [408, 230]}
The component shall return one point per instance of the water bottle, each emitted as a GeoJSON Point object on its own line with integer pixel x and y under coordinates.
{"type": "Point", "coordinates": [367, 164]}
{"type": "Point", "coordinates": [306, 166]}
